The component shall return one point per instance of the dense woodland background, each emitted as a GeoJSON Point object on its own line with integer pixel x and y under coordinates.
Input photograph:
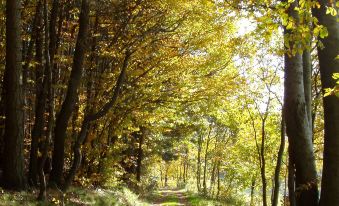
{"type": "Point", "coordinates": [233, 100]}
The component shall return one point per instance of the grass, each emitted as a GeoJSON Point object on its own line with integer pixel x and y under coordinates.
{"type": "Point", "coordinates": [197, 200]}
{"type": "Point", "coordinates": [170, 200]}
{"type": "Point", "coordinates": [105, 197]}
{"type": "Point", "coordinates": [74, 197]}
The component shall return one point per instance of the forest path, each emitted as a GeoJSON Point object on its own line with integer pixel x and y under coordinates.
{"type": "Point", "coordinates": [171, 197]}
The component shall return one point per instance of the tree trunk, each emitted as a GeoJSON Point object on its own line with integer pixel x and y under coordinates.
{"type": "Point", "coordinates": [263, 161]}
{"type": "Point", "coordinates": [92, 117]}
{"type": "Point", "coordinates": [291, 179]}
{"type": "Point", "coordinates": [279, 162]}
{"type": "Point", "coordinates": [218, 172]}
{"type": "Point", "coordinates": [213, 178]}
{"type": "Point", "coordinates": [184, 175]}
{"type": "Point", "coordinates": [166, 177]}
{"type": "Point", "coordinates": [13, 176]}
{"type": "Point", "coordinates": [161, 182]}
{"type": "Point", "coordinates": [28, 53]}
{"type": "Point", "coordinates": [298, 126]}
{"type": "Point", "coordinates": [307, 75]}
{"type": "Point", "coordinates": [37, 131]}
{"type": "Point", "coordinates": [200, 139]}
{"type": "Point", "coordinates": [52, 30]}
{"type": "Point", "coordinates": [47, 94]}
{"type": "Point", "coordinates": [140, 153]}
{"type": "Point", "coordinates": [205, 160]}
{"type": "Point", "coordinates": [71, 96]}
{"type": "Point", "coordinates": [328, 66]}
{"type": "Point", "coordinates": [299, 133]}
{"type": "Point", "coordinates": [187, 167]}
{"type": "Point", "coordinates": [252, 190]}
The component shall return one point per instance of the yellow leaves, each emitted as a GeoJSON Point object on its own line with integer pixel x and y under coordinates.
{"type": "Point", "coordinates": [56, 201]}
{"type": "Point", "coordinates": [288, 22]}
{"type": "Point", "coordinates": [290, 25]}
{"type": "Point", "coordinates": [309, 4]}
{"type": "Point", "coordinates": [332, 11]}
{"type": "Point", "coordinates": [316, 5]}
{"type": "Point", "coordinates": [320, 31]}
{"type": "Point", "coordinates": [335, 89]}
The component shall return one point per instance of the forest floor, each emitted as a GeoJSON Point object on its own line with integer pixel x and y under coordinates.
{"type": "Point", "coordinates": [170, 197]}
{"type": "Point", "coordinates": [181, 197]}
{"type": "Point", "coordinates": [78, 196]}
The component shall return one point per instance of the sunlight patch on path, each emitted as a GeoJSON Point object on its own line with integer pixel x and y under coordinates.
{"type": "Point", "coordinates": [168, 197]}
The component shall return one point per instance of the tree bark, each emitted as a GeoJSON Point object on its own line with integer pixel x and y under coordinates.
{"type": "Point", "coordinates": [200, 139]}
{"type": "Point", "coordinates": [307, 75]}
{"type": "Point", "coordinates": [213, 178]}
{"type": "Point", "coordinates": [13, 176]}
{"type": "Point", "coordinates": [328, 66]}
{"type": "Point", "coordinates": [184, 175]}
{"type": "Point", "coordinates": [37, 131]}
{"type": "Point", "coordinates": [47, 88]}
{"type": "Point", "coordinates": [218, 172]}
{"type": "Point", "coordinates": [263, 161]}
{"type": "Point", "coordinates": [140, 153]}
{"type": "Point", "coordinates": [71, 96]}
{"type": "Point", "coordinates": [52, 30]}
{"type": "Point", "coordinates": [299, 133]}
{"type": "Point", "coordinates": [298, 126]}
{"type": "Point", "coordinates": [92, 117]}
{"type": "Point", "coordinates": [205, 160]}
{"type": "Point", "coordinates": [252, 190]}
{"type": "Point", "coordinates": [291, 179]}
{"type": "Point", "coordinates": [279, 162]}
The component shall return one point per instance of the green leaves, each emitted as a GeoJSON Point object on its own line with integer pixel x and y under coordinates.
{"type": "Point", "coordinates": [320, 31]}
{"type": "Point", "coordinates": [332, 11]}
{"type": "Point", "coordinates": [335, 89]}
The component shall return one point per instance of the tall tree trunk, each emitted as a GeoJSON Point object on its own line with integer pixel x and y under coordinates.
{"type": "Point", "coordinates": [166, 176]}
{"type": "Point", "coordinates": [71, 96]}
{"type": "Point", "coordinates": [161, 182]}
{"type": "Point", "coordinates": [140, 153]}
{"type": "Point", "coordinates": [28, 53]}
{"type": "Point", "coordinates": [205, 160]}
{"type": "Point", "coordinates": [252, 190]}
{"type": "Point", "coordinates": [299, 133]}
{"type": "Point", "coordinates": [200, 139]}
{"type": "Point", "coordinates": [298, 126]}
{"type": "Point", "coordinates": [263, 161]}
{"type": "Point", "coordinates": [328, 66]}
{"type": "Point", "coordinates": [52, 30]}
{"type": "Point", "coordinates": [47, 94]}
{"type": "Point", "coordinates": [2, 126]}
{"type": "Point", "coordinates": [214, 165]}
{"type": "Point", "coordinates": [291, 179]}
{"type": "Point", "coordinates": [37, 131]}
{"type": "Point", "coordinates": [187, 167]}
{"type": "Point", "coordinates": [279, 162]}
{"type": "Point", "coordinates": [307, 72]}
{"type": "Point", "coordinates": [184, 175]}
{"type": "Point", "coordinates": [13, 177]}
{"type": "Point", "coordinates": [218, 172]}
{"type": "Point", "coordinates": [213, 178]}
{"type": "Point", "coordinates": [92, 117]}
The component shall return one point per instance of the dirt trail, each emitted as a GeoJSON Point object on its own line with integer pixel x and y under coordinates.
{"type": "Point", "coordinates": [171, 197]}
